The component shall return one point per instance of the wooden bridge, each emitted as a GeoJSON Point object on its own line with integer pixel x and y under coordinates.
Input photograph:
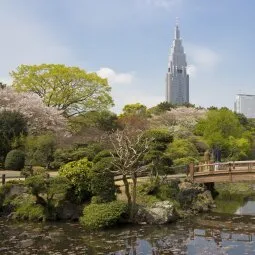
{"type": "Point", "coordinates": [232, 171]}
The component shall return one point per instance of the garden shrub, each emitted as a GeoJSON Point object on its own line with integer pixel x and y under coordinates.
{"type": "Point", "coordinates": [168, 191]}
{"type": "Point", "coordinates": [96, 216]}
{"type": "Point", "coordinates": [64, 156]}
{"type": "Point", "coordinates": [24, 207]}
{"type": "Point", "coordinates": [28, 211]}
{"type": "Point", "coordinates": [48, 192]}
{"type": "Point", "coordinates": [150, 187]}
{"type": "Point", "coordinates": [4, 189]}
{"type": "Point", "coordinates": [97, 200]}
{"type": "Point", "coordinates": [15, 160]}
{"type": "Point", "coordinates": [102, 154]}
{"type": "Point", "coordinates": [102, 180]}
{"type": "Point", "coordinates": [79, 175]}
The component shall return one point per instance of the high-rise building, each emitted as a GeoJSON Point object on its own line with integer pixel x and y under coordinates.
{"type": "Point", "coordinates": [245, 104]}
{"type": "Point", "coordinates": [177, 79]}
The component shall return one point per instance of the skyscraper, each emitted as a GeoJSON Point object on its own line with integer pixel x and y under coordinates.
{"type": "Point", "coordinates": [177, 79]}
{"type": "Point", "coordinates": [245, 104]}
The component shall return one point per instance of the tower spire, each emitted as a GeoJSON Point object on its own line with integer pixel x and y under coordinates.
{"type": "Point", "coordinates": [177, 79]}
{"type": "Point", "coordinates": [177, 30]}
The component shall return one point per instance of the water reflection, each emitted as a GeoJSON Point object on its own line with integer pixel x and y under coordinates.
{"type": "Point", "coordinates": [247, 209]}
{"type": "Point", "coordinates": [211, 234]}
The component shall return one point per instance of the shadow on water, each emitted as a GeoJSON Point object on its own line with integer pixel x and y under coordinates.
{"type": "Point", "coordinates": [208, 234]}
{"type": "Point", "coordinates": [230, 230]}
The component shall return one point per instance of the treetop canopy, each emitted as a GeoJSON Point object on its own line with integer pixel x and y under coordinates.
{"type": "Point", "coordinates": [69, 89]}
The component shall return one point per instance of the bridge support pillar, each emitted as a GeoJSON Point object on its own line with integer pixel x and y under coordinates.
{"type": "Point", "coordinates": [210, 186]}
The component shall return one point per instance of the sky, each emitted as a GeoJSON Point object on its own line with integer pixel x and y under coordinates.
{"type": "Point", "coordinates": [128, 41]}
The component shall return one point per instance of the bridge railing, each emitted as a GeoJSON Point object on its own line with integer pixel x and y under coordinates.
{"type": "Point", "coordinates": [229, 166]}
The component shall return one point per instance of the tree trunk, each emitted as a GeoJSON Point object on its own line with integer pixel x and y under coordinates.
{"type": "Point", "coordinates": [40, 201]}
{"type": "Point", "coordinates": [133, 207]}
{"type": "Point", "coordinates": [127, 190]}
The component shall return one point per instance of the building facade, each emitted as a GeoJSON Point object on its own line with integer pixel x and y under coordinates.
{"type": "Point", "coordinates": [177, 79]}
{"type": "Point", "coordinates": [245, 104]}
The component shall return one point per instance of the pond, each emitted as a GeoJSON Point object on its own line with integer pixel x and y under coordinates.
{"type": "Point", "coordinates": [248, 208]}
{"type": "Point", "coordinates": [208, 234]}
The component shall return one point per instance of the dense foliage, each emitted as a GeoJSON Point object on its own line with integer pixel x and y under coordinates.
{"type": "Point", "coordinates": [105, 215]}
{"type": "Point", "coordinates": [40, 149]}
{"type": "Point", "coordinates": [69, 89]}
{"type": "Point", "coordinates": [78, 173]}
{"type": "Point", "coordinates": [57, 117]}
{"type": "Point", "coordinates": [15, 160]}
{"type": "Point", "coordinates": [223, 130]}
{"type": "Point", "coordinates": [102, 180]}
{"type": "Point", "coordinates": [12, 125]}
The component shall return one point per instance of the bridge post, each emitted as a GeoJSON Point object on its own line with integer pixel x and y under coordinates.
{"type": "Point", "coordinates": [230, 171]}
{"type": "Point", "coordinates": [229, 167]}
{"type": "Point", "coordinates": [3, 179]}
{"type": "Point", "coordinates": [191, 171]}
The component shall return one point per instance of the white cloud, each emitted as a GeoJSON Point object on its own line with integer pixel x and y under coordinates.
{"type": "Point", "coordinates": [164, 3]}
{"type": "Point", "coordinates": [201, 59]}
{"type": "Point", "coordinates": [192, 70]}
{"type": "Point", "coordinates": [115, 78]}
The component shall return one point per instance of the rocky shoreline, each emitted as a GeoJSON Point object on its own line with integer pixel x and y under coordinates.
{"type": "Point", "coordinates": [193, 199]}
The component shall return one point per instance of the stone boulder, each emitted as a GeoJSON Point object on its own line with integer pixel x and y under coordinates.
{"type": "Point", "coordinates": [159, 213]}
{"type": "Point", "coordinates": [203, 202]}
{"type": "Point", "coordinates": [195, 197]}
{"type": "Point", "coordinates": [69, 211]}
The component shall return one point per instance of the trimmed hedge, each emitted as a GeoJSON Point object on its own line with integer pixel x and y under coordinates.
{"type": "Point", "coordinates": [96, 216]}
{"type": "Point", "coordinates": [15, 160]}
{"type": "Point", "coordinates": [102, 181]}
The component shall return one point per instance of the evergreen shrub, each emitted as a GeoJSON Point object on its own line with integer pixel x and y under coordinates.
{"type": "Point", "coordinates": [79, 175]}
{"type": "Point", "coordinates": [102, 180]}
{"type": "Point", "coordinates": [31, 212]}
{"type": "Point", "coordinates": [15, 160]}
{"type": "Point", "coordinates": [96, 216]}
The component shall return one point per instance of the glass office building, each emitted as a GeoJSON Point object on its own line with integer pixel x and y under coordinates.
{"type": "Point", "coordinates": [245, 104]}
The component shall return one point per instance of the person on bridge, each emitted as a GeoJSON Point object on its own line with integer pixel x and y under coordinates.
{"type": "Point", "coordinates": [206, 159]}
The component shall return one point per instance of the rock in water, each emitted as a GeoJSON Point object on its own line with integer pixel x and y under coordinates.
{"type": "Point", "coordinates": [159, 213]}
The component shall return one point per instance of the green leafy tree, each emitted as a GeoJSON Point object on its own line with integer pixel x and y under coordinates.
{"type": "Point", "coordinates": [218, 127]}
{"type": "Point", "coordinates": [134, 109]}
{"type": "Point", "coordinates": [48, 191]}
{"type": "Point", "coordinates": [40, 149]}
{"type": "Point", "coordinates": [79, 174]}
{"type": "Point", "coordinates": [239, 148]}
{"type": "Point", "coordinates": [12, 125]}
{"type": "Point", "coordinates": [161, 107]}
{"type": "Point", "coordinates": [65, 155]}
{"type": "Point", "coordinates": [182, 149]}
{"type": "Point", "coordinates": [103, 120]}
{"type": "Point", "coordinates": [102, 180]}
{"type": "Point", "coordinates": [156, 158]}
{"type": "Point", "coordinates": [69, 89]}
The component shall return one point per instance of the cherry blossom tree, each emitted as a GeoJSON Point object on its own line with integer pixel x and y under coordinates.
{"type": "Point", "coordinates": [181, 121]}
{"type": "Point", "coordinates": [39, 117]}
